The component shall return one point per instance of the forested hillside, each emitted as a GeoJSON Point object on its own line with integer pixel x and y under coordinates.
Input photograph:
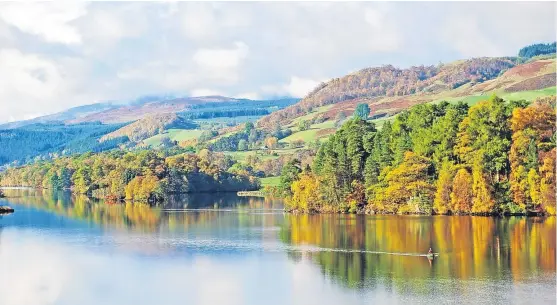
{"type": "Point", "coordinates": [537, 49]}
{"type": "Point", "coordinates": [89, 129]}
{"type": "Point", "coordinates": [45, 141]}
{"type": "Point", "coordinates": [144, 176]}
{"type": "Point", "coordinates": [391, 81]}
{"type": "Point", "coordinates": [149, 126]}
{"type": "Point", "coordinates": [494, 157]}
{"type": "Point", "coordinates": [388, 90]}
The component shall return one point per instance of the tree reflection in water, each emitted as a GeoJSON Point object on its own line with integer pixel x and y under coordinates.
{"type": "Point", "coordinates": [470, 247]}
{"type": "Point", "coordinates": [518, 249]}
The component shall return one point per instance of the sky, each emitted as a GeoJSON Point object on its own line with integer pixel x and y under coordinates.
{"type": "Point", "coordinates": [58, 55]}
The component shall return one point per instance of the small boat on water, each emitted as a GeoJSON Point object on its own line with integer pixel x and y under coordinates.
{"type": "Point", "coordinates": [6, 209]}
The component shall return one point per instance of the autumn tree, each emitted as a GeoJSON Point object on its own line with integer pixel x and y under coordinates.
{"type": "Point", "coordinates": [547, 183]}
{"type": "Point", "coordinates": [305, 194]}
{"type": "Point", "coordinates": [462, 194]}
{"type": "Point", "coordinates": [442, 201]}
{"type": "Point", "coordinates": [482, 202]}
{"type": "Point", "coordinates": [406, 188]}
{"type": "Point", "coordinates": [271, 142]}
{"type": "Point", "coordinates": [533, 128]}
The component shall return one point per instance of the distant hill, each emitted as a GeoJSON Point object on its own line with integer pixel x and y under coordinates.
{"type": "Point", "coordinates": [108, 125]}
{"type": "Point", "coordinates": [68, 115]}
{"type": "Point", "coordinates": [41, 141]}
{"type": "Point", "coordinates": [149, 126]}
{"type": "Point", "coordinates": [389, 90]}
{"type": "Point", "coordinates": [202, 107]}
{"type": "Point", "coordinates": [136, 111]}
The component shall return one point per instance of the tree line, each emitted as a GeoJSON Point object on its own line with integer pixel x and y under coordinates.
{"type": "Point", "coordinates": [495, 157]}
{"type": "Point", "coordinates": [537, 49]}
{"type": "Point", "coordinates": [143, 176]}
{"type": "Point", "coordinates": [45, 141]}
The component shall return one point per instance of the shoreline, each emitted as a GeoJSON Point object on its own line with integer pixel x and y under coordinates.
{"type": "Point", "coordinates": [365, 213]}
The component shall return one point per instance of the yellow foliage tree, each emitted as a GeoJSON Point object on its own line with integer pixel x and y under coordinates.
{"type": "Point", "coordinates": [547, 184]}
{"type": "Point", "coordinates": [442, 201]}
{"type": "Point", "coordinates": [519, 186]}
{"type": "Point", "coordinates": [534, 187]}
{"type": "Point", "coordinates": [462, 195]}
{"type": "Point", "coordinates": [482, 202]}
{"type": "Point", "coordinates": [141, 188]}
{"type": "Point", "coordinates": [406, 188]}
{"type": "Point", "coordinates": [305, 194]}
{"type": "Point", "coordinates": [271, 142]}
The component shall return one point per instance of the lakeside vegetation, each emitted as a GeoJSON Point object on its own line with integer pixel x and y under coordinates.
{"type": "Point", "coordinates": [495, 157]}
{"type": "Point", "coordinates": [141, 176]}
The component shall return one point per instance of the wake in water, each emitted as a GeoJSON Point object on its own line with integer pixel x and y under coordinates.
{"type": "Point", "coordinates": [319, 249]}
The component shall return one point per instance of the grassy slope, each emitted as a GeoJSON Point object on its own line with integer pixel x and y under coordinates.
{"type": "Point", "coordinates": [270, 181]}
{"type": "Point", "coordinates": [242, 155]}
{"type": "Point", "coordinates": [468, 93]}
{"type": "Point", "coordinates": [521, 95]}
{"type": "Point", "coordinates": [174, 135]}
{"type": "Point", "coordinates": [310, 135]}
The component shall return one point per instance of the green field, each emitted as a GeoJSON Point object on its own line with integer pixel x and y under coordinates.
{"type": "Point", "coordinates": [174, 135]}
{"type": "Point", "coordinates": [270, 181]}
{"type": "Point", "coordinates": [306, 135]}
{"type": "Point", "coordinates": [324, 125]}
{"type": "Point", "coordinates": [261, 154]}
{"type": "Point", "coordinates": [529, 95]}
{"type": "Point", "coordinates": [242, 155]}
{"type": "Point", "coordinates": [310, 115]}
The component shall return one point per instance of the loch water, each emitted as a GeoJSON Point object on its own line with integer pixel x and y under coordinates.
{"type": "Point", "coordinates": [58, 248]}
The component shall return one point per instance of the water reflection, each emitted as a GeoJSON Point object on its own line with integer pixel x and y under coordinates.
{"type": "Point", "coordinates": [470, 247]}
{"type": "Point", "coordinates": [499, 260]}
{"type": "Point", "coordinates": [178, 213]}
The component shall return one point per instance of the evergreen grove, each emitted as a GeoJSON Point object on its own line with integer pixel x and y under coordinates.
{"type": "Point", "coordinates": [496, 157]}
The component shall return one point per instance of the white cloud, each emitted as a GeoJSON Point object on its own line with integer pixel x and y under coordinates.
{"type": "Point", "coordinates": [27, 116]}
{"type": "Point", "coordinates": [106, 27]}
{"type": "Point", "coordinates": [249, 95]}
{"type": "Point", "coordinates": [296, 87]}
{"type": "Point", "coordinates": [49, 20]}
{"type": "Point", "coordinates": [461, 31]}
{"type": "Point", "coordinates": [204, 92]}
{"type": "Point", "coordinates": [198, 21]}
{"type": "Point", "coordinates": [122, 50]}
{"type": "Point", "coordinates": [33, 84]}
{"type": "Point", "coordinates": [476, 29]}
{"type": "Point", "coordinates": [384, 33]}
{"type": "Point", "coordinates": [222, 58]}
{"type": "Point", "coordinates": [299, 87]}
{"type": "Point", "coordinates": [29, 75]}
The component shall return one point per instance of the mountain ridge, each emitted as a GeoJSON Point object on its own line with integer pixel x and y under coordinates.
{"type": "Point", "coordinates": [389, 89]}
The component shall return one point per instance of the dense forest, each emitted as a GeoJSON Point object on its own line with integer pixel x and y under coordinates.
{"type": "Point", "coordinates": [247, 138]}
{"type": "Point", "coordinates": [45, 141]}
{"type": "Point", "coordinates": [537, 49]}
{"type": "Point", "coordinates": [149, 126]}
{"type": "Point", "coordinates": [235, 109]}
{"type": "Point", "coordinates": [493, 157]}
{"type": "Point", "coordinates": [143, 176]}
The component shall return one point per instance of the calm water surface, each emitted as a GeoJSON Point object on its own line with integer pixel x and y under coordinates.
{"type": "Point", "coordinates": [208, 249]}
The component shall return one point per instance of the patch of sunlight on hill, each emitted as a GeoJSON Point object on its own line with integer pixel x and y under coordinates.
{"type": "Point", "coordinates": [174, 135]}
{"type": "Point", "coordinates": [270, 181]}
{"type": "Point", "coordinates": [528, 95]}
{"type": "Point", "coordinates": [306, 135]}
{"type": "Point", "coordinates": [311, 115]}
